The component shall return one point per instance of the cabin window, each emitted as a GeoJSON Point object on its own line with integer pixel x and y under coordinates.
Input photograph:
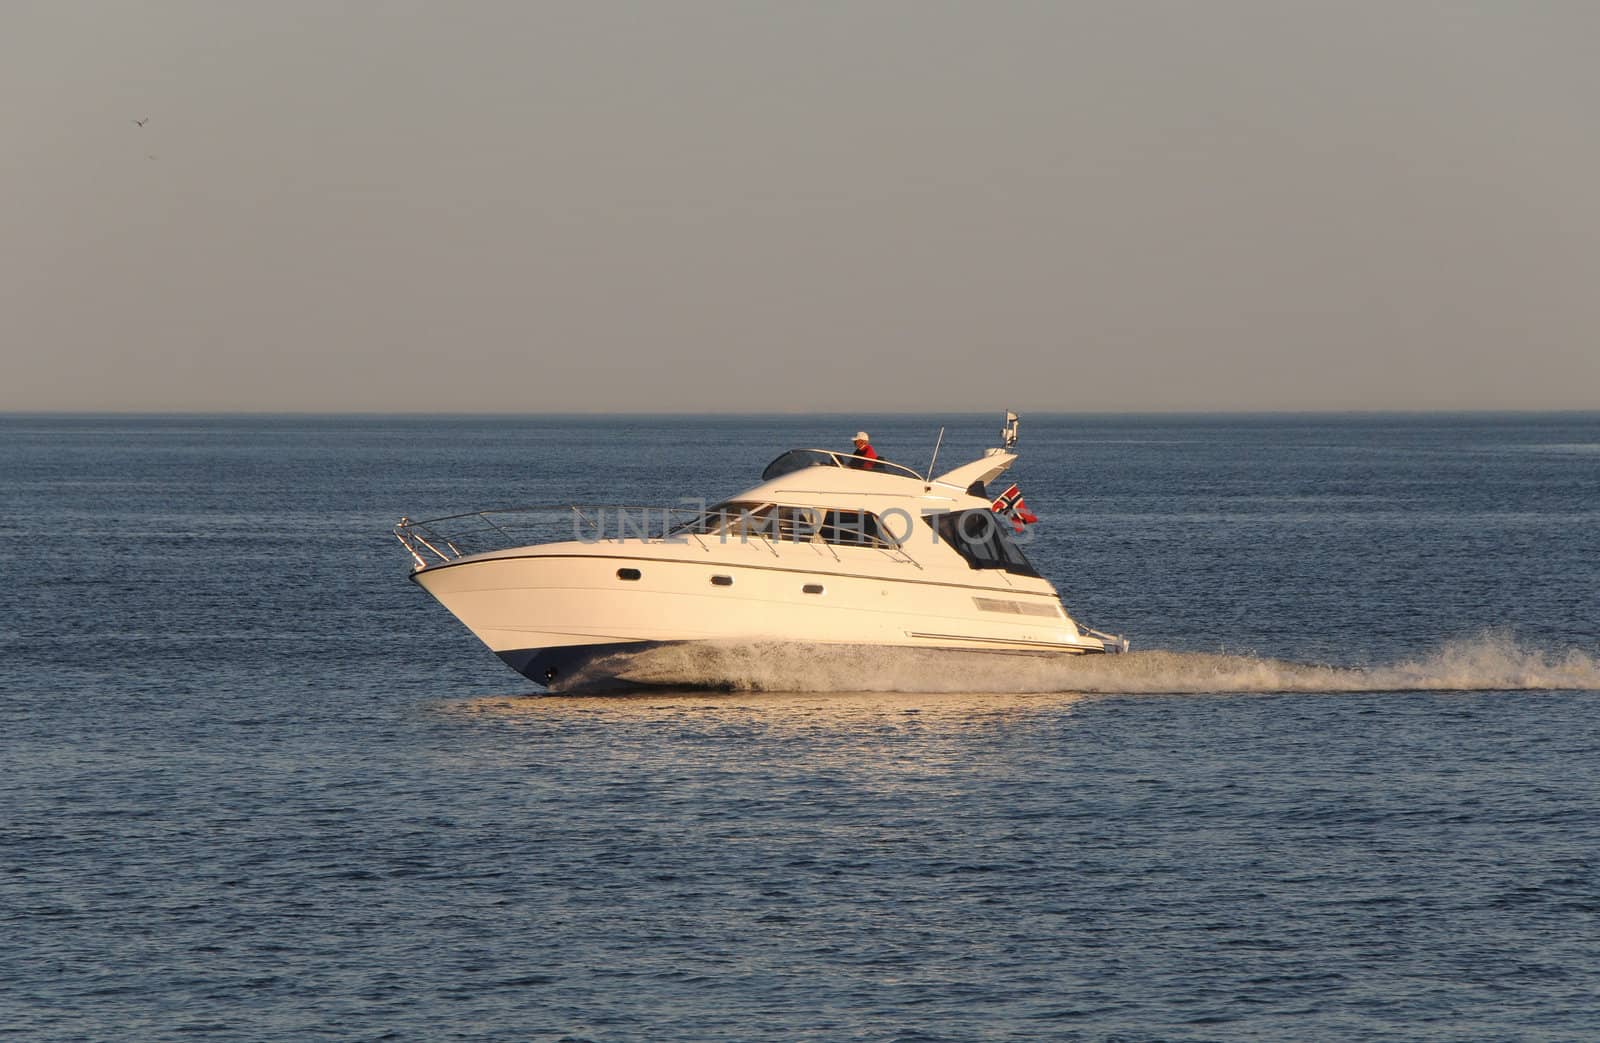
{"type": "Point", "coordinates": [981, 538]}
{"type": "Point", "coordinates": [853, 529]}
{"type": "Point", "coordinates": [722, 581]}
{"type": "Point", "coordinates": [842, 528]}
{"type": "Point", "coordinates": [628, 573]}
{"type": "Point", "coordinates": [729, 521]}
{"type": "Point", "coordinates": [798, 524]}
{"type": "Point", "coordinates": [735, 520]}
{"type": "Point", "coordinates": [812, 588]}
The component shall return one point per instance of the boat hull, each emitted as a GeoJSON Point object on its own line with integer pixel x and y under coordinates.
{"type": "Point", "coordinates": [552, 613]}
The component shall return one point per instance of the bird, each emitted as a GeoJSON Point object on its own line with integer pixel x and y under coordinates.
{"type": "Point", "coordinates": [143, 121]}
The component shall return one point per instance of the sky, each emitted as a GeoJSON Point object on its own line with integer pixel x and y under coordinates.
{"type": "Point", "coordinates": [878, 205]}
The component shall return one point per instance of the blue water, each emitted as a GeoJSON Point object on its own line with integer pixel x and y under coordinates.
{"type": "Point", "coordinates": [257, 786]}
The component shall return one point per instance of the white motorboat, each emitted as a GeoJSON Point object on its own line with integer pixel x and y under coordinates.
{"type": "Point", "coordinates": [829, 549]}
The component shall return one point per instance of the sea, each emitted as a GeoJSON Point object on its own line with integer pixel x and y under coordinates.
{"type": "Point", "coordinates": [257, 786]}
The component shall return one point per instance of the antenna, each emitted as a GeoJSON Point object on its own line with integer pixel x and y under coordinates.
{"type": "Point", "coordinates": [1008, 434]}
{"type": "Point", "coordinates": [936, 445]}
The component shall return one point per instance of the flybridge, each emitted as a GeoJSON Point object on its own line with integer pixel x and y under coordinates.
{"type": "Point", "coordinates": [800, 459]}
{"type": "Point", "coordinates": [993, 463]}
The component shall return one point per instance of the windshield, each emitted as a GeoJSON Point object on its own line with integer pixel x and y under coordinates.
{"type": "Point", "coordinates": [798, 459]}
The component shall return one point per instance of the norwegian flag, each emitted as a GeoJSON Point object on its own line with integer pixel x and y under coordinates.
{"type": "Point", "coordinates": [1010, 505]}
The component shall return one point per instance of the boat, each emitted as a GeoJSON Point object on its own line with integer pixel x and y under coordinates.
{"type": "Point", "coordinates": [829, 550]}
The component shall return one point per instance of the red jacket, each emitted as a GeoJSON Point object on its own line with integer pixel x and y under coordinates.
{"type": "Point", "coordinates": [870, 454]}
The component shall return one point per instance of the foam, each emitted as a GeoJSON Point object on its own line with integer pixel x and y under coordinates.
{"type": "Point", "coordinates": [1486, 662]}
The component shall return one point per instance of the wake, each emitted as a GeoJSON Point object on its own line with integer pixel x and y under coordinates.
{"type": "Point", "coordinates": [1488, 662]}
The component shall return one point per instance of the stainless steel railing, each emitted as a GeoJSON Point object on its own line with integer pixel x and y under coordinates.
{"type": "Point", "coordinates": [436, 540]}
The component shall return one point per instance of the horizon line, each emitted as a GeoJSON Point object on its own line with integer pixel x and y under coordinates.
{"type": "Point", "coordinates": [794, 413]}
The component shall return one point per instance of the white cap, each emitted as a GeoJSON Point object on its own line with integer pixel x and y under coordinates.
{"type": "Point", "coordinates": [861, 436]}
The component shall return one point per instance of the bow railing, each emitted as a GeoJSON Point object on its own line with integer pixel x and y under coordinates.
{"type": "Point", "coordinates": [439, 540]}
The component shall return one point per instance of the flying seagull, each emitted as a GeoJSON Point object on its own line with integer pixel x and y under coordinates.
{"type": "Point", "coordinates": [143, 121]}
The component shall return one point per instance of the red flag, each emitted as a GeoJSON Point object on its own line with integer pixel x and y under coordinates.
{"type": "Point", "coordinates": [1010, 504]}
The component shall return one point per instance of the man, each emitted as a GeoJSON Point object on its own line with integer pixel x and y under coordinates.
{"type": "Point", "coordinates": [864, 449]}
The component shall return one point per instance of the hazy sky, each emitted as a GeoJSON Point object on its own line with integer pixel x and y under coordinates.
{"type": "Point", "coordinates": [917, 206]}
